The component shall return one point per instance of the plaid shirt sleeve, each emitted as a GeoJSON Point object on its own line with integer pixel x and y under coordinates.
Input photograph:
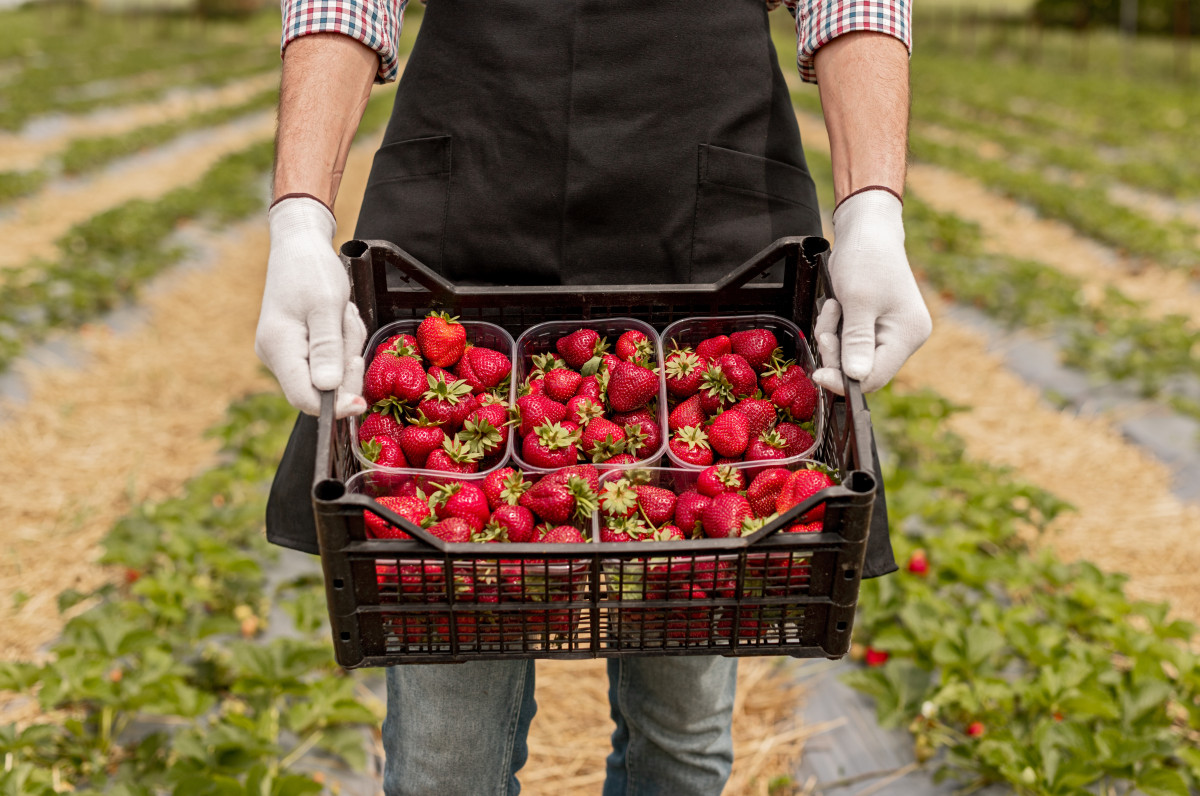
{"type": "Point", "coordinates": [819, 22]}
{"type": "Point", "coordinates": [375, 23]}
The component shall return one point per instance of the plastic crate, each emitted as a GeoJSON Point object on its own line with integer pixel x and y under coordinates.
{"type": "Point", "coordinates": [573, 617]}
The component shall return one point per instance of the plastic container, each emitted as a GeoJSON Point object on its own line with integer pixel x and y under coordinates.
{"type": "Point", "coordinates": [541, 339]}
{"type": "Point", "coordinates": [479, 333]}
{"type": "Point", "coordinates": [674, 599]}
{"type": "Point", "coordinates": [690, 331]}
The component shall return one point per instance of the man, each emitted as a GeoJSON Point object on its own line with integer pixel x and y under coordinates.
{"type": "Point", "coordinates": [576, 142]}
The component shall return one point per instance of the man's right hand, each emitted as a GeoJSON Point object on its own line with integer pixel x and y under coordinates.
{"type": "Point", "coordinates": [309, 333]}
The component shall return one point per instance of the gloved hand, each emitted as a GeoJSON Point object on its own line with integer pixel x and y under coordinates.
{"type": "Point", "coordinates": [309, 334]}
{"type": "Point", "coordinates": [885, 319]}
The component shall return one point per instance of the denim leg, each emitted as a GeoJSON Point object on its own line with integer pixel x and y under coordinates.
{"type": "Point", "coordinates": [457, 728]}
{"type": "Point", "coordinates": [673, 721]}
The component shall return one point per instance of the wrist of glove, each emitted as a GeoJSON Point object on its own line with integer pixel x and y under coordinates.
{"type": "Point", "coordinates": [309, 333]}
{"type": "Point", "coordinates": [883, 317]}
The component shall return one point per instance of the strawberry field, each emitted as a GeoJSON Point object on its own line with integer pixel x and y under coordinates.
{"type": "Point", "coordinates": [1041, 453]}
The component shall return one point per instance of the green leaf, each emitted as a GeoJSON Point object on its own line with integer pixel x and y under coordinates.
{"type": "Point", "coordinates": [1162, 782]}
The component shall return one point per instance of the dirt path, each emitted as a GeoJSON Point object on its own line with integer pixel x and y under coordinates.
{"type": "Point", "coordinates": [27, 149]}
{"type": "Point", "coordinates": [1010, 228]}
{"type": "Point", "coordinates": [35, 222]}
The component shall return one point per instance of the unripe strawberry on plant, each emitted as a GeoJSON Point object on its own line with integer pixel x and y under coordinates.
{"type": "Point", "coordinates": [442, 339]}
{"type": "Point", "coordinates": [754, 345]}
{"type": "Point", "coordinates": [918, 563]}
{"type": "Point", "coordinates": [874, 657]}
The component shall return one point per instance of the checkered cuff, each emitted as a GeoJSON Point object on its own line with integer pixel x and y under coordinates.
{"type": "Point", "coordinates": [819, 22]}
{"type": "Point", "coordinates": [375, 23]}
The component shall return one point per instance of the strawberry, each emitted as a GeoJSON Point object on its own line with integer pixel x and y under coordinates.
{"type": "Point", "coordinates": [796, 438]}
{"type": "Point", "coordinates": [588, 472]}
{"type": "Point", "coordinates": [667, 533]}
{"type": "Point", "coordinates": [800, 486]}
{"type": "Point", "coordinates": [777, 373]}
{"type": "Point", "coordinates": [401, 345]}
{"type": "Point", "coordinates": [457, 499]}
{"type": "Point", "coordinates": [384, 452]}
{"type": "Point", "coordinates": [517, 522]}
{"type": "Point", "coordinates": [643, 438]}
{"type": "Point", "coordinates": [622, 458]}
{"type": "Point", "coordinates": [441, 402]}
{"type": "Point", "coordinates": [454, 530]}
{"type": "Point", "coordinates": [684, 371]}
{"type": "Point", "coordinates": [769, 446]}
{"type": "Point", "coordinates": [739, 373]}
{"type": "Point", "coordinates": [975, 729]}
{"type": "Point", "coordinates": [618, 499]}
{"type": "Point", "coordinates": [455, 456]}
{"type": "Point", "coordinates": [582, 410]}
{"type": "Point", "coordinates": [379, 424]}
{"type": "Point", "coordinates": [754, 345]}
{"type": "Point", "coordinates": [918, 563]}
{"type": "Point", "coordinates": [561, 384]}
{"type": "Point", "coordinates": [420, 439]}
{"type": "Point", "coordinates": [391, 375]}
{"type": "Point", "coordinates": [410, 508]}
{"type": "Point", "coordinates": [563, 534]}
{"type": "Point", "coordinates": [716, 391]}
{"type": "Point", "coordinates": [656, 503]}
{"type": "Point", "coordinates": [580, 346]}
{"type": "Point", "coordinates": [534, 387]}
{"type": "Point", "coordinates": [550, 446]}
{"type": "Point", "coordinates": [690, 445]}
{"type": "Point", "coordinates": [495, 414]}
{"type": "Point", "coordinates": [723, 517]}
{"type": "Point", "coordinates": [729, 433]}
{"type": "Point", "coordinates": [483, 368]}
{"type": "Point", "coordinates": [590, 387]}
{"type": "Point", "coordinates": [689, 510]}
{"type": "Point", "coordinates": [504, 487]}
{"type": "Point", "coordinates": [602, 439]}
{"type": "Point", "coordinates": [633, 345]}
{"type": "Point", "coordinates": [617, 532]}
{"type": "Point", "coordinates": [609, 361]}
{"type": "Point", "coordinates": [714, 347]}
{"type": "Point", "coordinates": [720, 478]}
{"type": "Point", "coordinates": [631, 386]}
{"type": "Point", "coordinates": [537, 410]}
{"type": "Point", "coordinates": [557, 501]}
{"type": "Point", "coordinates": [805, 527]}
{"type": "Point", "coordinates": [874, 657]}
{"type": "Point", "coordinates": [688, 413]}
{"type": "Point", "coordinates": [797, 397]}
{"type": "Point", "coordinates": [759, 411]}
{"type": "Point", "coordinates": [442, 339]}
{"type": "Point", "coordinates": [763, 491]}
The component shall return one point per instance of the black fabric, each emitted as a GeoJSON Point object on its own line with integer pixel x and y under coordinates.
{"type": "Point", "coordinates": [578, 142]}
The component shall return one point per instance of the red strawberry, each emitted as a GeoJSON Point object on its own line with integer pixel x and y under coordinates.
{"type": "Point", "coordinates": [797, 440]}
{"type": "Point", "coordinates": [391, 375]}
{"type": "Point", "coordinates": [441, 403]}
{"type": "Point", "coordinates": [800, 486]}
{"type": "Point", "coordinates": [643, 438]}
{"type": "Point", "coordinates": [621, 458]}
{"type": "Point", "coordinates": [618, 499]}
{"type": "Point", "coordinates": [550, 446]}
{"type": "Point", "coordinates": [714, 347]}
{"type": "Point", "coordinates": [535, 387]}
{"type": "Point", "coordinates": [740, 374]}
{"type": "Point", "coordinates": [561, 384]}
{"type": "Point", "coordinates": [684, 370]}
{"type": "Point", "coordinates": [797, 397]}
{"type": "Point", "coordinates": [657, 504]}
{"type": "Point", "coordinates": [874, 657]}
{"type": "Point", "coordinates": [690, 445]}
{"type": "Point", "coordinates": [580, 346]}
{"type": "Point", "coordinates": [454, 529]}
{"type": "Point", "coordinates": [769, 446]}
{"type": "Point", "coordinates": [779, 372]}
{"type": "Point", "coordinates": [556, 501]}
{"type": "Point", "coordinates": [729, 433]}
{"type": "Point", "coordinates": [602, 439]}
{"type": "Point", "coordinates": [667, 533]}
{"type": "Point", "coordinates": [410, 508]}
{"type": "Point", "coordinates": [759, 411]}
{"type": "Point", "coordinates": [504, 487]}
{"type": "Point", "coordinates": [379, 424]}
{"type": "Point", "coordinates": [724, 516]}
{"type": "Point", "coordinates": [716, 391]}
{"type": "Point", "coordinates": [582, 410]}
{"type": "Point", "coordinates": [420, 439]}
{"type": "Point", "coordinates": [918, 563]}
{"type": "Point", "coordinates": [590, 387]}
{"type": "Point", "coordinates": [615, 533]}
{"type": "Point", "coordinates": [805, 527]}
{"type": "Point", "coordinates": [764, 490]}
{"type": "Point", "coordinates": [720, 478]}
{"type": "Point", "coordinates": [688, 413]}
{"type": "Point", "coordinates": [455, 456]}
{"type": "Point", "coordinates": [517, 522]}
{"type": "Point", "coordinates": [587, 472]}
{"type": "Point", "coordinates": [402, 345]}
{"type": "Point", "coordinates": [634, 345]}
{"type": "Point", "coordinates": [442, 339]}
{"type": "Point", "coordinates": [384, 452]}
{"type": "Point", "coordinates": [631, 386]}
{"type": "Point", "coordinates": [483, 368]}
{"type": "Point", "coordinates": [563, 534]}
{"type": "Point", "coordinates": [609, 361]}
{"type": "Point", "coordinates": [537, 410]}
{"type": "Point", "coordinates": [975, 729]}
{"type": "Point", "coordinates": [457, 499]}
{"type": "Point", "coordinates": [690, 509]}
{"type": "Point", "coordinates": [754, 345]}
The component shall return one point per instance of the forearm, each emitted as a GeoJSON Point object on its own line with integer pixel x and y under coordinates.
{"type": "Point", "coordinates": [326, 83]}
{"type": "Point", "coordinates": [863, 79]}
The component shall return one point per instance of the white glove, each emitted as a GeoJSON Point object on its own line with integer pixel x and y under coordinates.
{"type": "Point", "coordinates": [885, 317]}
{"type": "Point", "coordinates": [309, 334]}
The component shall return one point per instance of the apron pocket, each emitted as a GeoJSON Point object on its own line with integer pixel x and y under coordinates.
{"type": "Point", "coordinates": [407, 195]}
{"type": "Point", "coordinates": [743, 203]}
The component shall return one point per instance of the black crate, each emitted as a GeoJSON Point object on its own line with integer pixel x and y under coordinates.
{"type": "Point", "coordinates": [425, 601]}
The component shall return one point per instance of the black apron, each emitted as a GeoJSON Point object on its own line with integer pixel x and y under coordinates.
{"type": "Point", "coordinates": [580, 142]}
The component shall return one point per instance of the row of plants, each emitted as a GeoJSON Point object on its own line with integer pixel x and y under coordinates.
{"type": "Point", "coordinates": [1007, 664]}
{"type": "Point", "coordinates": [105, 260]}
{"type": "Point", "coordinates": [162, 681]}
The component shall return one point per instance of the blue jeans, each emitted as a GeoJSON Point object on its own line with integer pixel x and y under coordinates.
{"type": "Point", "coordinates": [460, 729]}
